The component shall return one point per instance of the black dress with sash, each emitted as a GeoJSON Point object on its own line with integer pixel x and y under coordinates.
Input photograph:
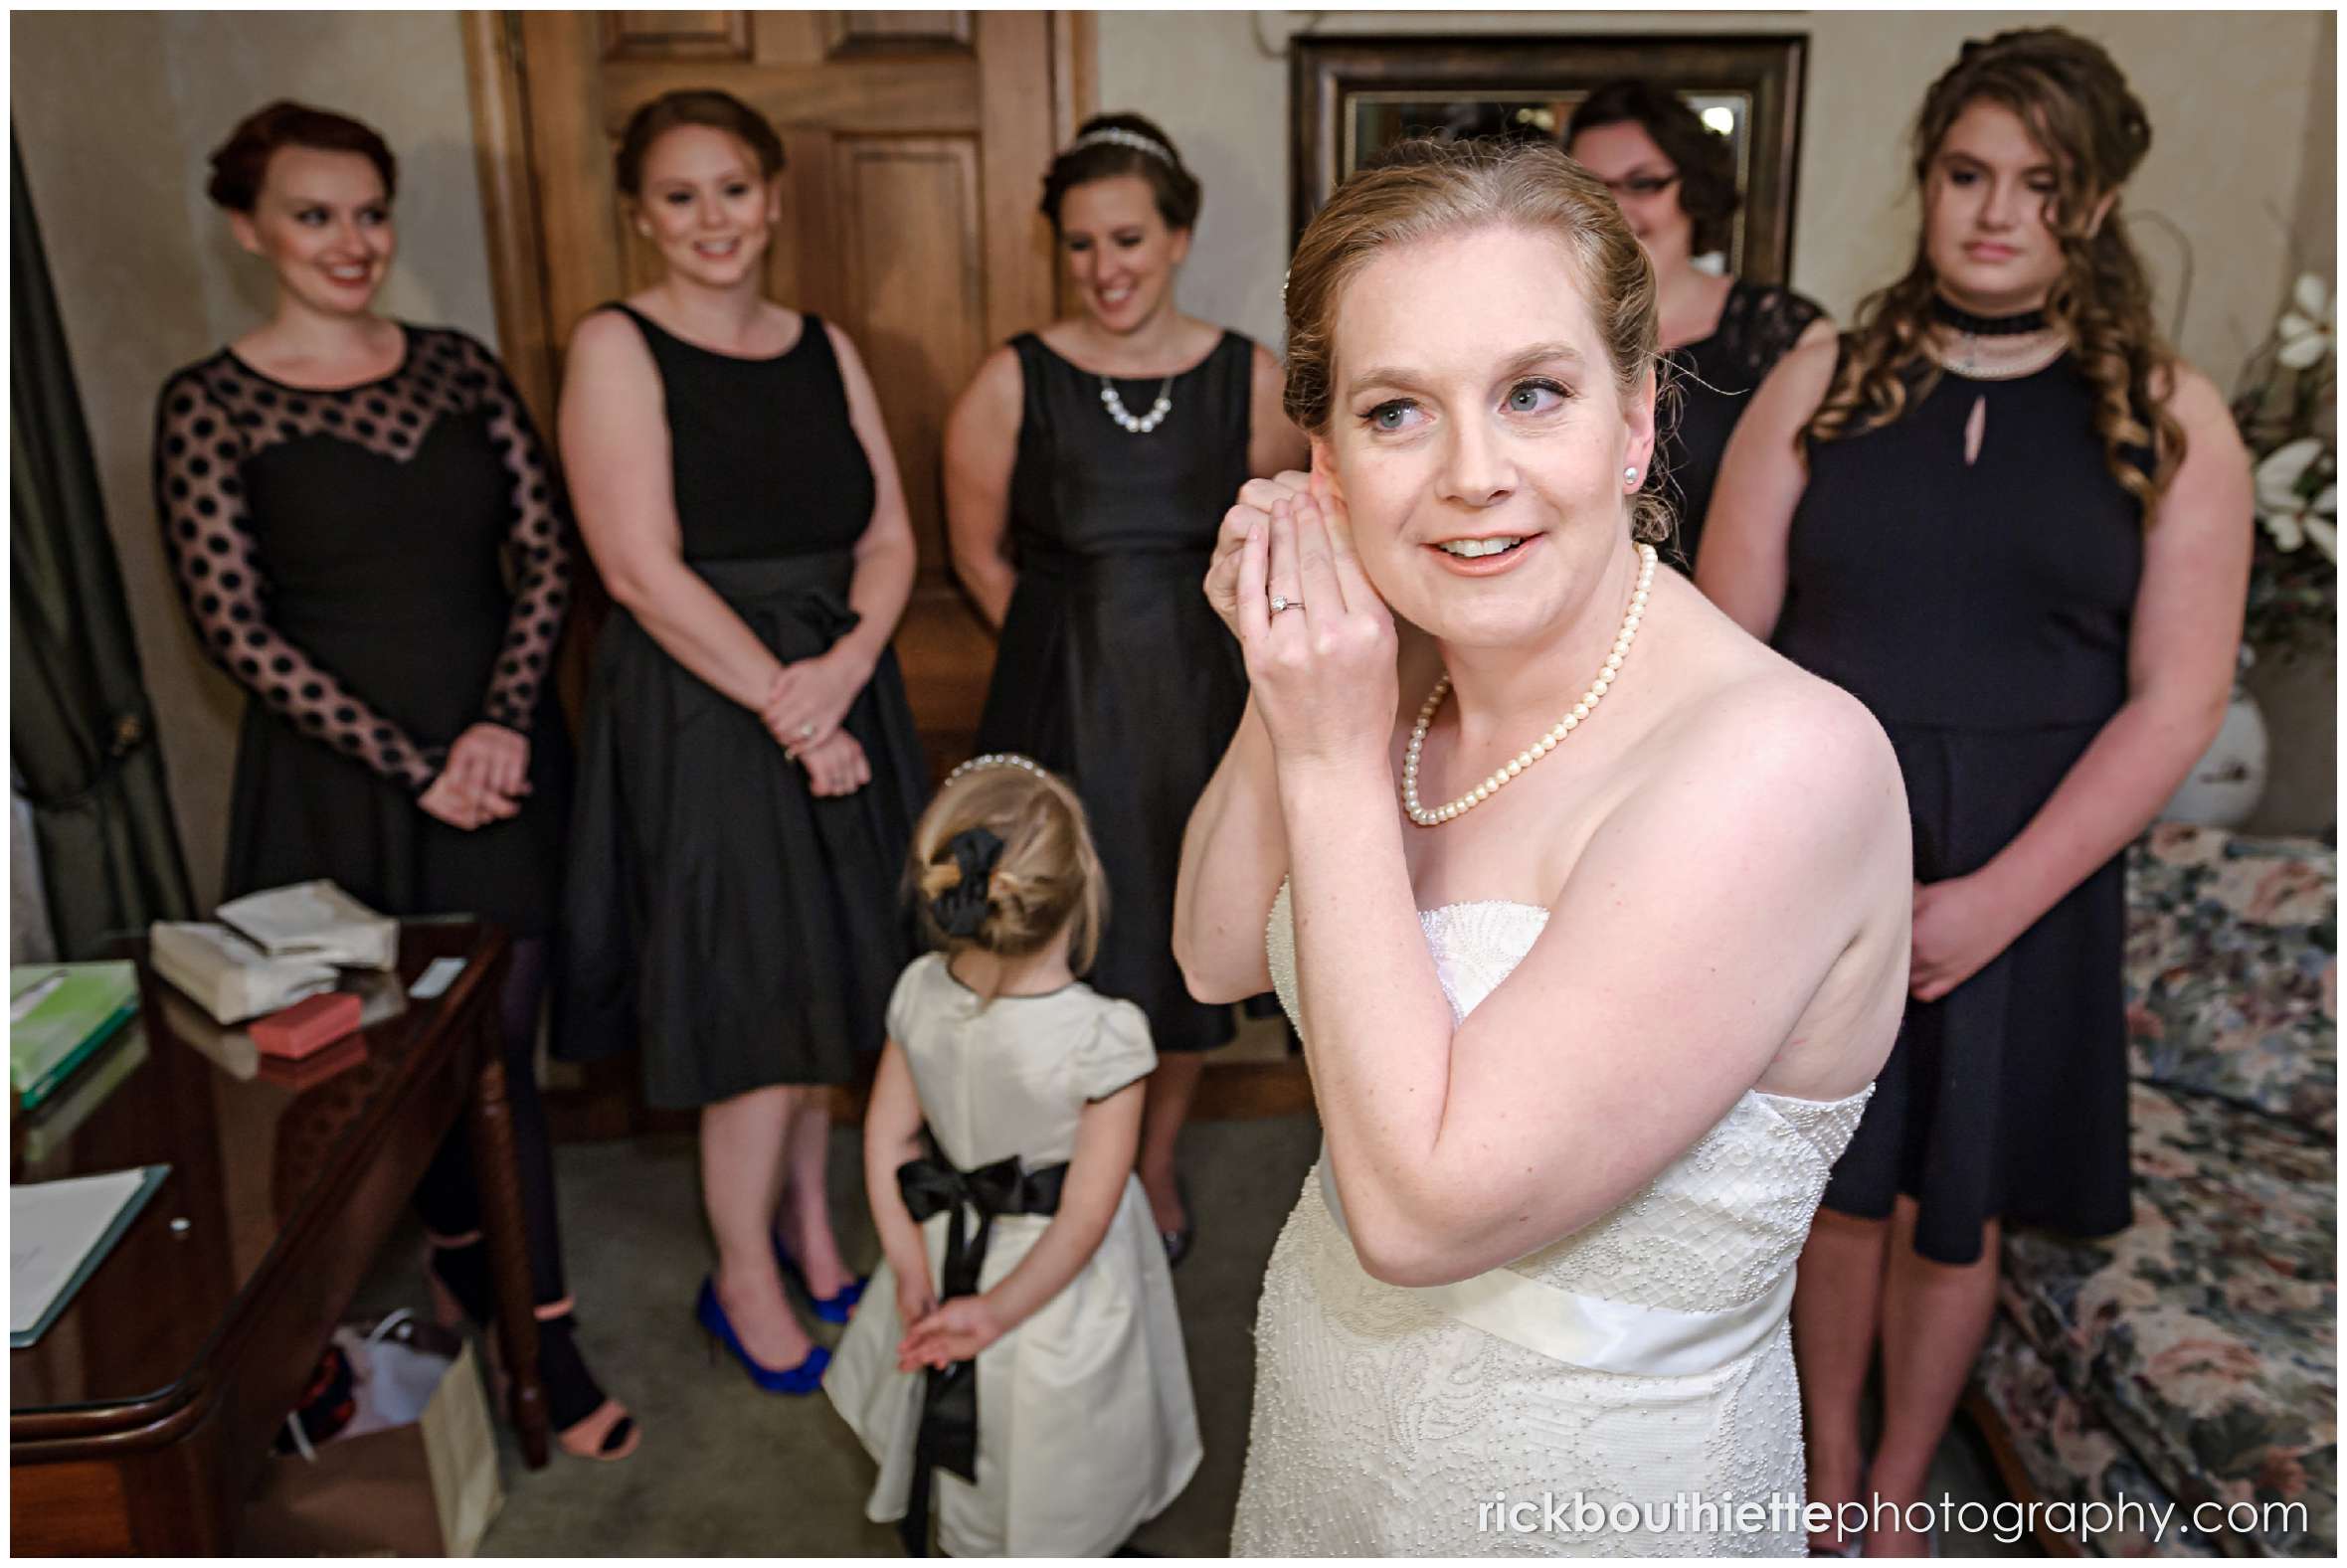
{"type": "Point", "coordinates": [743, 931]}
{"type": "Point", "coordinates": [1113, 670]}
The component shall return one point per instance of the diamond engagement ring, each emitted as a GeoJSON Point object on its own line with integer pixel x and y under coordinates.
{"type": "Point", "coordinates": [1280, 601]}
{"type": "Point", "coordinates": [807, 732]}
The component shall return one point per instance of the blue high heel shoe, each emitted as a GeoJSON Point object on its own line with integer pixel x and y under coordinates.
{"type": "Point", "coordinates": [805, 1378]}
{"type": "Point", "coordinates": [830, 1308]}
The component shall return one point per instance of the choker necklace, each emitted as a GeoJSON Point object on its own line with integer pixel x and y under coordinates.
{"type": "Point", "coordinates": [1986, 326]}
{"type": "Point", "coordinates": [1965, 359]}
{"type": "Point", "coordinates": [1137, 423]}
{"type": "Point", "coordinates": [1540, 748]}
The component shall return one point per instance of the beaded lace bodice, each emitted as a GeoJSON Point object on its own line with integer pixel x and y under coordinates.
{"type": "Point", "coordinates": [1718, 1225]}
{"type": "Point", "coordinates": [1383, 1424]}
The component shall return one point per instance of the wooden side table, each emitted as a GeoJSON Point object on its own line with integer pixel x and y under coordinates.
{"type": "Point", "coordinates": [140, 1421]}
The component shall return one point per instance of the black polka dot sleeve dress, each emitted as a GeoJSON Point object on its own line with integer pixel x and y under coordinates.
{"type": "Point", "coordinates": [381, 566]}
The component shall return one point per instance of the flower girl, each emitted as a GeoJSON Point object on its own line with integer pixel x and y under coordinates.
{"type": "Point", "coordinates": [1016, 1366]}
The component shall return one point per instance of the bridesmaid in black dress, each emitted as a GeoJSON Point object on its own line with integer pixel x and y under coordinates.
{"type": "Point", "coordinates": [1087, 468]}
{"type": "Point", "coordinates": [369, 538]}
{"type": "Point", "coordinates": [1675, 180]}
{"type": "Point", "coordinates": [750, 775]}
{"type": "Point", "coordinates": [2006, 517]}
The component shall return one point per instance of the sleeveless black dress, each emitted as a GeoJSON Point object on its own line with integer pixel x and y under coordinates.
{"type": "Point", "coordinates": [344, 556]}
{"type": "Point", "coordinates": [1717, 377]}
{"type": "Point", "coordinates": [746, 933]}
{"type": "Point", "coordinates": [1111, 669]}
{"type": "Point", "coordinates": [1981, 611]}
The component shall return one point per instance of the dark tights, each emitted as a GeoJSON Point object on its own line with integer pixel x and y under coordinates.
{"type": "Point", "coordinates": [449, 1200]}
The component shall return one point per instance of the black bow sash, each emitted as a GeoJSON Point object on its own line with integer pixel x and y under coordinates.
{"type": "Point", "coordinates": [948, 1433]}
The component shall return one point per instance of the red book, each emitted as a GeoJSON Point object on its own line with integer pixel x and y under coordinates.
{"type": "Point", "coordinates": [298, 1074]}
{"type": "Point", "coordinates": [314, 1022]}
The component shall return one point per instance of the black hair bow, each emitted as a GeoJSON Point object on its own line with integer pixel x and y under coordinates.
{"type": "Point", "coordinates": [960, 909]}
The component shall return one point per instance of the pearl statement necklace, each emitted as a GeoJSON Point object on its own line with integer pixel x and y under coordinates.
{"type": "Point", "coordinates": [1540, 748]}
{"type": "Point", "coordinates": [1142, 423]}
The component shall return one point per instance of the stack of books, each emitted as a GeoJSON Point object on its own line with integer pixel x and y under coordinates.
{"type": "Point", "coordinates": [268, 950]}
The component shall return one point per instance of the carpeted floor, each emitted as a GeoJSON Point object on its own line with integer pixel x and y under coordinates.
{"type": "Point", "coordinates": [725, 1469]}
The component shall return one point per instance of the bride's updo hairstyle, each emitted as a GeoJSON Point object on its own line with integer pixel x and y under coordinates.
{"type": "Point", "coordinates": [1423, 189]}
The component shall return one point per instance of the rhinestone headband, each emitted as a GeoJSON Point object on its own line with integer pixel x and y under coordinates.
{"type": "Point", "coordinates": [998, 760]}
{"type": "Point", "coordinates": [1123, 138]}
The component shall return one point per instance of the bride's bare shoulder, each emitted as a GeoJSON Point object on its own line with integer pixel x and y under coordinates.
{"type": "Point", "coordinates": [1761, 739]}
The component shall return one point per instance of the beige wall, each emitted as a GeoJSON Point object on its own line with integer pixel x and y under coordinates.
{"type": "Point", "coordinates": [2316, 230]}
{"type": "Point", "coordinates": [2228, 95]}
{"type": "Point", "coordinates": [115, 114]}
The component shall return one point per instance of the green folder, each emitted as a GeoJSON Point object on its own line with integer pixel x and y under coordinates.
{"type": "Point", "coordinates": [58, 1015]}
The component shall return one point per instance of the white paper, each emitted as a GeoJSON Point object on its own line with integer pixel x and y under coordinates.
{"type": "Point", "coordinates": [51, 1225]}
{"type": "Point", "coordinates": [438, 976]}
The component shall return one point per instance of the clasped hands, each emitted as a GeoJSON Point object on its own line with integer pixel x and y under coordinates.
{"type": "Point", "coordinates": [1322, 666]}
{"type": "Point", "coordinates": [940, 1333]}
{"type": "Point", "coordinates": [1960, 925]}
{"type": "Point", "coordinates": [802, 712]}
{"type": "Point", "coordinates": [484, 780]}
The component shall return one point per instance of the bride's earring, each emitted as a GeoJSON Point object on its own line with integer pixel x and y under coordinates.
{"type": "Point", "coordinates": [1630, 477]}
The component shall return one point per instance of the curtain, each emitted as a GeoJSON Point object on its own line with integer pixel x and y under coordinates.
{"type": "Point", "coordinates": [81, 734]}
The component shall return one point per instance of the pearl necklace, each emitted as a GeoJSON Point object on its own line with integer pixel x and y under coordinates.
{"type": "Point", "coordinates": [1540, 748]}
{"type": "Point", "coordinates": [1137, 425]}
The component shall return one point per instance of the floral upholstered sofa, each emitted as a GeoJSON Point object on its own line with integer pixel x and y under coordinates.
{"type": "Point", "coordinates": [2193, 1359]}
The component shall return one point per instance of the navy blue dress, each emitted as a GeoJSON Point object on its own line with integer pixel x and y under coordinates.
{"type": "Point", "coordinates": [1981, 611]}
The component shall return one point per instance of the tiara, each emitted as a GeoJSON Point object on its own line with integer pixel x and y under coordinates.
{"type": "Point", "coordinates": [998, 760]}
{"type": "Point", "coordinates": [1125, 139]}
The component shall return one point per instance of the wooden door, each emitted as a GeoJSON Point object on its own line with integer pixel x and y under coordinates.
{"type": "Point", "coordinates": [915, 143]}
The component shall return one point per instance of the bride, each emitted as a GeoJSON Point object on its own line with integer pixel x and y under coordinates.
{"type": "Point", "coordinates": [1587, 1029]}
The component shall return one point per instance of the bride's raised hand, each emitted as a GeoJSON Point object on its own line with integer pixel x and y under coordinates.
{"type": "Point", "coordinates": [1254, 507]}
{"type": "Point", "coordinates": [1319, 640]}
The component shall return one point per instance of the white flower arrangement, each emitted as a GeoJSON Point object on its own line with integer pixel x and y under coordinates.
{"type": "Point", "coordinates": [2297, 498]}
{"type": "Point", "coordinates": [2288, 415]}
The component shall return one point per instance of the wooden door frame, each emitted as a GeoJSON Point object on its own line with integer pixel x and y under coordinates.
{"type": "Point", "coordinates": [495, 67]}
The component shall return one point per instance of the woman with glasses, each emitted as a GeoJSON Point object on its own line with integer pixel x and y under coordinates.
{"type": "Point", "coordinates": [1675, 179]}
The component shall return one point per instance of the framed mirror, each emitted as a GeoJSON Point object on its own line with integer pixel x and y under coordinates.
{"type": "Point", "coordinates": [1355, 96]}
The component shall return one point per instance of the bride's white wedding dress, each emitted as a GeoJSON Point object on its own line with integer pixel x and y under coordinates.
{"type": "Point", "coordinates": [1645, 1361]}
